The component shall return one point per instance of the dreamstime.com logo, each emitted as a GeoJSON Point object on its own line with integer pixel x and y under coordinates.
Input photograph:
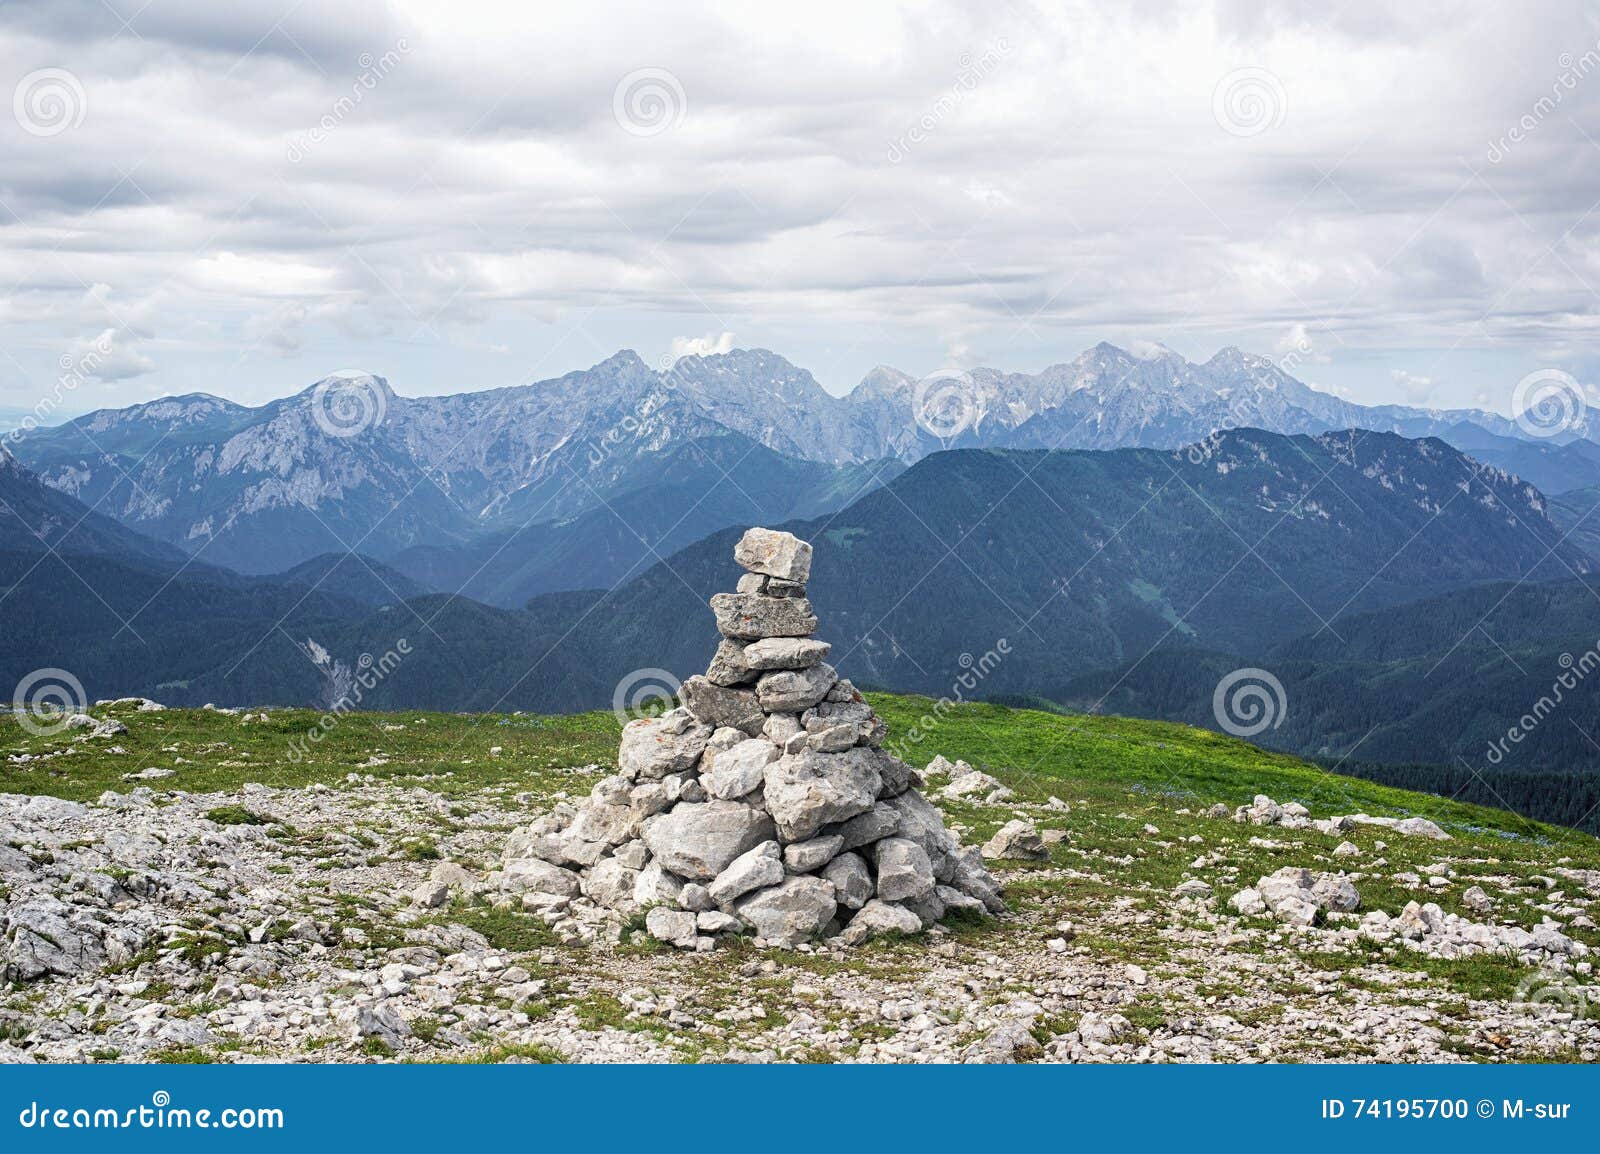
{"type": "Point", "coordinates": [1249, 101]}
{"type": "Point", "coordinates": [1545, 990]}
{"type": "Point", "coordinates": [975, 670]}
{"type": "Point", "coordinates": [1573, 672]}
{"type": "Point", "coordinates": [46, 700]}
{"type": "Point", "coordinates": [640, 691]}
{"type": "Point", "coordinates": [631, 425]}
{"type": "Point", "coordinates": [374, 70]}
{"type": "Point", "coordinates": [349, 403]}
{"type": "Point", "coordinates": [1248, 702]}
{"type": "Point", "coordinates": [76, 369]}
{"type": "Point", "coordinates": [1240, 412]}
{"type": "Point", "coordinates": [49, 102]}
{"type": "Point", "coordinates": [1549, 402]}
{"type": "Point", "coordinates": [344, 689]}
{"type": "Point", "coordinates": [970, 72]}
{"type": "Point", "coordinates": [160, 1114]}
{"type": "Point", "coordinates": [649, 102]}
{"type": "Point", "coordinates": [1574, 70]}
{"type": "Point", "coordinates": [945, 403]}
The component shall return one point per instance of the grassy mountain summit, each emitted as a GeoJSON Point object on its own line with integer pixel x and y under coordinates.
{"type": "Point", "coordinates": [1033, 751]}
{"type": "Point", "coordinates": [1115, 943]}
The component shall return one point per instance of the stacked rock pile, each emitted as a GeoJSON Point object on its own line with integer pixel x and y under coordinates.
{"type": "Point", "coordinates": [764, 804]}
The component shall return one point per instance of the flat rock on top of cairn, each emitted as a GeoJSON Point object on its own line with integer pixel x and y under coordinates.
{"type": "Point", "coordinates": [774, 554]}
{"type": "Point", "coordinates": [763, 804]}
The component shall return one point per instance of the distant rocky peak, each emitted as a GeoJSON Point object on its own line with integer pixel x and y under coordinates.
{"type": "Point", "coordinates": [190, 406]}
{"type": "Point", "coordinates": [1153, 351]}
{"type": "Point", "coordinates": [348, 379]}
{"type": "Point", "coordinates": [622, 361]}
{"type": "Point", "coordinates": [748, 371]}
{"type": "Point", "coordinates": [880, 383]}
{"type": "Point", "coordinates": [1231, 355]}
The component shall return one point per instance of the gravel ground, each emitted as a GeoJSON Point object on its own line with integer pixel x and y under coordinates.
{"type": "Point", "coordinates": [283, 924]}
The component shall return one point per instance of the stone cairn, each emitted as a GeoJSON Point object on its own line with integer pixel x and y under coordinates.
{"type": "Point", "coordinates": [764, 804]}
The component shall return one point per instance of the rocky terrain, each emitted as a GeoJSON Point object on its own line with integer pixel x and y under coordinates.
{"type": "Point", "coordinates": [212, 902]}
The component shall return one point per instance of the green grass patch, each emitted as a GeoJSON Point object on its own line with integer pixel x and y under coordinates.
{"type": "Point", "coordinates": [528, 1052]}
{"type": "Point", "coordinates": [183, 1056]}
{"type": "Point", "coordinates": [510, 930]}
{"type": "Point", "coordinates": [221, 751]}
{"type": "Point", "coordinates": [420, 849]}
{"type": "Point", "coordinates": [236, 815]}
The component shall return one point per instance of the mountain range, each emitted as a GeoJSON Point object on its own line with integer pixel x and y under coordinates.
{"type": "Point", "coordinates": [1081, 558]}
{"type": "Point", "coordinates": [1127, 527]}
{"type": "Point", "coordinates": [1441, 680]}
{"type": "Point", "coordinates": [508, 493]}
{"type": "Point", "coordinates": [1409, 596]}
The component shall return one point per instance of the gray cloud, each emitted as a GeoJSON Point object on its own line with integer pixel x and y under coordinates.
{"type": "Point", "coordinates": [287, 181]}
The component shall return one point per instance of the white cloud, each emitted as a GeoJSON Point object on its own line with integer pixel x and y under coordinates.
{"type": "Point", "coordinates": [1148, 350]}
{"type": "Point", "coordinates": [112, 355]}
{"type": "Point", "coordinates": [710, 345]}
{"type": "Point", "coordinates": [1414, 389]}
{"type": "Point", "coordinates": [1292, 340]}
{"type": "Point", "coordinates": [960, 354]}
{"type": "Point", "coordinates": [282, 329]}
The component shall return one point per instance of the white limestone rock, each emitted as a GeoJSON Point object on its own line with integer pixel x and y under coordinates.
{"type": "Point", "coordinates": [653, 747]}
{"type": "Point", "coordinates": [611, 884]}
{"type": "Point", "coordinates": [851, 879]}
{"type": "Point", "coordinates": [752, 870]}
{"type": "Point", "coordinates": [882, 820]}
{"type": "Point", "coordinates": [694, 896]}
{"type": "Point", "coordinates": [1249, 902]}
{"type": "Point", "coordinates": [718, 705]}
{"type": "Point", "coordinates": [806, 791]}
{"type": "Point", "coordinates": [634, 854]}
{"type": "Point", "coordinates": [783, 653]}
{"type": "Point", "coordinates": [752, 616]}
{"type": "Point", "coordinates": [733, 773]}
{"type": "Point", "coordinates": [794, 690]}
{"type": "Point", "coordinates": [717, 922]}
{"type": "Point", "coordinates": [1017, 840]}
{"type": "Point", "coordinates": [774, 553]}
{"type": "Point", "coordinates": [904, 872]}
{"type": "Point", "coordinates": [968, 875]}
{"type": "Point", "coordinates": [675, 927]}
{"type": "Point", "coordinates": [780, 727]}
{"type": "Point", "coordinates": [921, 821]}
{"type": "Point", "coordinates": [966, 781]}
{"type": "Point", "coordinates": [1297, 895]}
{"type": "Point", "coordinates": [728, 665]}
{"type": "Point", "coordinates": [697, 840]}
{"type": "Point", "coordinates": [793, 911]}
{"type": "Point", "coordinates": [538, 875]}
{"type": "Point", "coordinates": [879, 917]}
{"type": "Point", "coordinates": [803, 857]}
{"type": "Point", "coordinates": [657, 886]}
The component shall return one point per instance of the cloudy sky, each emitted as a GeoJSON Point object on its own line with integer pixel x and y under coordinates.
{"type": "Point", "coordinates": [242, 198]}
